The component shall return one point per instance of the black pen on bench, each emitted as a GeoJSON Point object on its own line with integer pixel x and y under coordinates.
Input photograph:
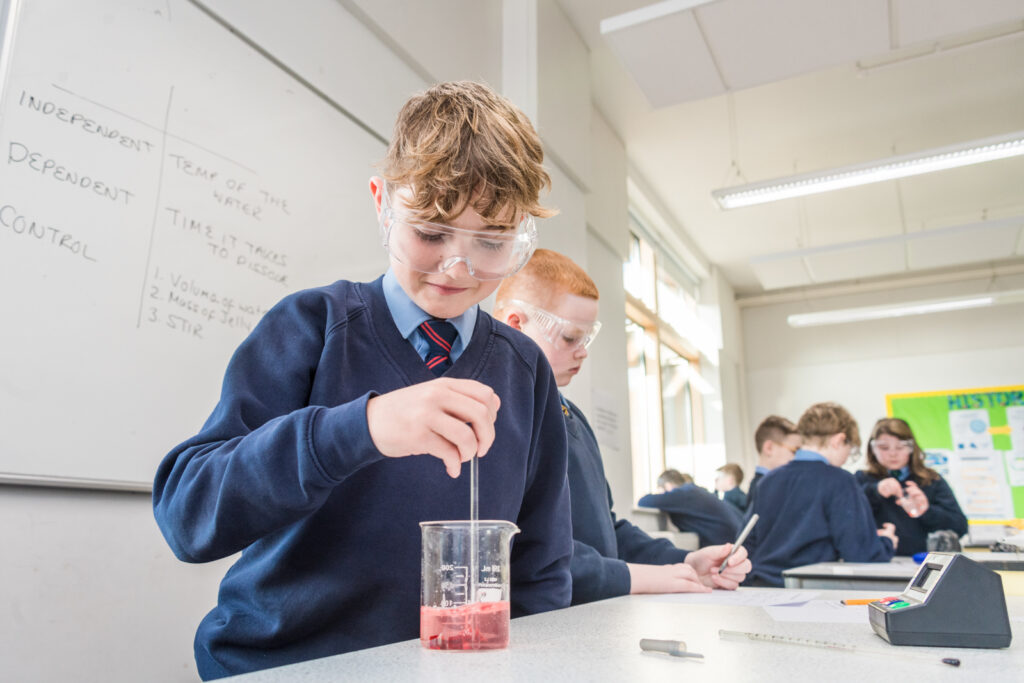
{"type": "Point", "coordinates": [739, 541]}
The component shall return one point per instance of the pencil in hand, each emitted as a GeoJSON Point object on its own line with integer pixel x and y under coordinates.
{"type": "Point", "coordinates": [739, 541]}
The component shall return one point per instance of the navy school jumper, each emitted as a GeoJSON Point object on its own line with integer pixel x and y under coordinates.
{"type": "Point", "coordinates": [943, 513]}
{"type": "Point", "coordinates": [602, 544]}
{"type": "Point", "coordinates": [692, 508]}
{"type": "Point", "coordinates": [285, 471]}
{"type": "Point", "coordinates": [752, 488]}
{"type": "Point", "coordinates": [811, 511]}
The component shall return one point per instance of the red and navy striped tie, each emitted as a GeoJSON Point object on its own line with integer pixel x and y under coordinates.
{"type": "Point", "coordinates": [440, 336]}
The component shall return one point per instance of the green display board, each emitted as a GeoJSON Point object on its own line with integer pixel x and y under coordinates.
{"type": "Point", "coordinates": [975, 439]}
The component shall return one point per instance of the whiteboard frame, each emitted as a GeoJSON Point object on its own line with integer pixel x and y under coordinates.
{"type": "Point", "coordinates": [8, 20]}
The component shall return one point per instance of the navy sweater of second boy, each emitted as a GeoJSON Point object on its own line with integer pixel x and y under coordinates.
{"type": "Point", "coordinates": [811, 511]}
{"type": "Point", "coordinates": [286, 472]}
{"type": "Point", "coordinates": [602, 544]}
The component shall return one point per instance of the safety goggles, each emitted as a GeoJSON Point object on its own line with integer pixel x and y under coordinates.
{"type": "Point", "coordinates": [561, 333]}
{"type": "Point", "coordinates": [435, 247]}
{"type": "Point", "coordinates": [854, 451]}
{"type": "Point", "coordinates": [888, 446]}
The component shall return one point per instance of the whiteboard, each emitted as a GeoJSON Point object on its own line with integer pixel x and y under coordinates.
{"type": "Point", "coordinates": [163, 184]}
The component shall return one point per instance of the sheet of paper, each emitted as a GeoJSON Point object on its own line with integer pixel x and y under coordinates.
{"type": "Point", "coordinates": [970, 430]}
{"type": "Point", "coordinates": [750, 598]}
{"type": "Point", "coordinates": [604, 418]}
{"type": "Point", "coordinates": [977, 471]}
{"type": "Point", "coordinates": [978, 479]}
{"type": "Point", "coordinates": [1015, 456]}
{"type": "Point", "coordinates": [939, 460]}
{"type": "Point", "coordinates": [820, 611]}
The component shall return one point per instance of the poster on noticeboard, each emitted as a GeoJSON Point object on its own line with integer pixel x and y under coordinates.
{"type": "Point", "coordinates": [974, 438]}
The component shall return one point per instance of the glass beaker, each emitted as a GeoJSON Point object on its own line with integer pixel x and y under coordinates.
{"type": "Point", "coordinates": [464, 589]}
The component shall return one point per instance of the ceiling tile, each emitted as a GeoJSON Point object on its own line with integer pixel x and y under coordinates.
{"type": "Point", "coordinates": [776, 273]}
{"type": "Point", "coordinates": [917, 21]}
{"type": "Point", "coordinates": [954, 247]}
{"type": "Point", "coordinates": [857, 261]}
{"type": "Point", "coordinates": [756, 42]}
{"type": "Point", "coordinates": [668, 59]}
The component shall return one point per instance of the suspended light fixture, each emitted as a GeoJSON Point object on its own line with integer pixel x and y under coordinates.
{"type": "Point", "coordinates": [952, 156]}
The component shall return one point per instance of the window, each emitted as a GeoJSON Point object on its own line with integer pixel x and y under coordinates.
{"type": "Point", "coordinates": [665, 399]}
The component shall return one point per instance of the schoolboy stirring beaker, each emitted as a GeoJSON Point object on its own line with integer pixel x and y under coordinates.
{"type": "Point", "coordinates": [464, 593]}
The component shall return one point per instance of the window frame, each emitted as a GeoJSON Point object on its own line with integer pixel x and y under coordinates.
{"type": "Point", "coordinates": [658, 333]}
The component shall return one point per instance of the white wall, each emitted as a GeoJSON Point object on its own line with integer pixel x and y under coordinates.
{"type": "Point", "coordinates": [735, 416]}
{"type": "Point", "coordinates": [90, 590]}
{"type": "Point", "coordinates": [857, 364]}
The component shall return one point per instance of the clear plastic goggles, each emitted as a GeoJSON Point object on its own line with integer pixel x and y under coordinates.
{"type": "Point", "coordinates": [889, 446]}
{"type": "Point", "coordinates": [561, 333]}
{"type": "Point", "coordinates": [435, 247]}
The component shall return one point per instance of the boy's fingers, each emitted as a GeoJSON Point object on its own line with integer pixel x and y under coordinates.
{"type": "Point", "coordinates": [447, 453]}
{"type": "Point", "coordinates": [458, 435]}
{"type": "Point", "coordinates": [477, 391]}
{"type": "Point", "coordinates": [479, 415]}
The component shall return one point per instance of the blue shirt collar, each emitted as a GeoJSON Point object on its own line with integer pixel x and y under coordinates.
{"type": "Point", "coordinates": [761, 469]}
{"type": "Point", "coordinates": [904, 472]}
{"type": "Point", "coordinates": [810, 456]}
{"type": "Point", "coordinates": [408, 316]}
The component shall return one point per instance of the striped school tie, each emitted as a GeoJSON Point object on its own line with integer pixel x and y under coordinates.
{"type": "Point", "coordinates": [440, 335]}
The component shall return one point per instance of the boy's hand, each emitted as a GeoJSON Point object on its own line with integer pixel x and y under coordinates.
{"type": "Point", "coordinates": [451, 419]}
{"type": "Point", "coordinates": [708, 559]}
{"type": "Point", "coordinates": [889, 531]}
{"type": "Point", "coordinates": [890, 486]}
{"type": "Point", "coordinates": [664, 578]}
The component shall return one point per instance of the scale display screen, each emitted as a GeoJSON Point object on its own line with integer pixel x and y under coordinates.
{"type": "Point", "coordinates": [927, 578]}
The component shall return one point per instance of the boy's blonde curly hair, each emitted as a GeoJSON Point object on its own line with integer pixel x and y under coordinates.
{"type": "Point", "coordinates": [461, 142]}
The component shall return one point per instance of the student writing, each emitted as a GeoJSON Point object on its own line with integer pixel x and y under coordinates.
{"type": "Point", "coordinates": [304, 464]}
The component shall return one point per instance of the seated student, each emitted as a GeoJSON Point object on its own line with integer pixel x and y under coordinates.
{"type": "Point", "coordinates": [554, 302]}
{"type": "Point", "coordinates": [728, 481]}
{"type": "Point", "coordinates": [905, 493]}
{"type": "Point", "coordinates": [692, 508]}
{"type": "Point", "coordinates": [812, 510]}
{"type": "Point", "coordinates": [776, 440]}
{"type": "Point", "coordinates": [314, 464]}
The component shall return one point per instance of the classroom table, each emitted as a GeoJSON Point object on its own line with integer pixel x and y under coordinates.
{"type": "Point", "coordinates": [885, 576]}
{"type": "Point", "coordinates": [600, 642]}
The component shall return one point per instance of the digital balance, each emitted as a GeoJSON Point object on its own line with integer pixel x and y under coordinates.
{"type": "Point", "coordinates": [952, 601]}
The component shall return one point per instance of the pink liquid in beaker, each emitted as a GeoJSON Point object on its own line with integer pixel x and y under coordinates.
{"type": "Point", "coordinates": [476, 626]}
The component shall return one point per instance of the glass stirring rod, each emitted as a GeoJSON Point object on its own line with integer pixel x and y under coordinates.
{"type": "Point", "coordinates": [474, 517]}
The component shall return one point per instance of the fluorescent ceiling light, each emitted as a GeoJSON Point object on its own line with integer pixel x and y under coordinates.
{"type": "Point", "coordinates": [648, 13]}
{"type": "Point", "coordinates": [851, 315]}
{"type": "Point", "coordinates": [975, 152]}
